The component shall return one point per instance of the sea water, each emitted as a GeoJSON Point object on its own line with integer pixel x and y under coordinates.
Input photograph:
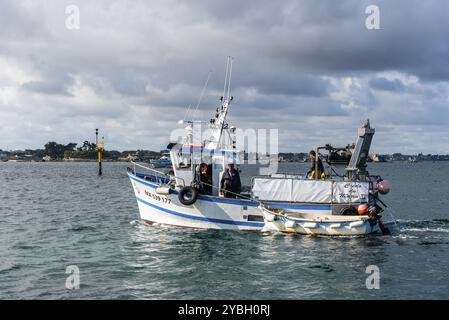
{"type": "Point", "coordinates": [56, 216]}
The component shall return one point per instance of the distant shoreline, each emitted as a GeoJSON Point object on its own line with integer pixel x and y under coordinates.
{"type": "Point", "coordinates": [62, 161]}
{"type": "Point", "coordinates": [280, 162]}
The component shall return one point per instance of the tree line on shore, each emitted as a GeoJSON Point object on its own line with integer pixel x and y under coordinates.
{"type": "Point", "coordinates": [54, 151]}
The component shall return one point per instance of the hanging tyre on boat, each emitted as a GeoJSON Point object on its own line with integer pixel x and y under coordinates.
{"type": "Point", "coordinates": [349, 211]}
{"type": "Point", "coordinates": [188, 195]}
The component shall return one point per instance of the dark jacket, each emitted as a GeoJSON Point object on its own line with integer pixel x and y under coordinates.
{"type": "Point", "coordinates": [206, 185]}
{"type": "Point", "coordinates": [320, 166]}
{"type": "Point", "coordinates": [206, 180]}
{"type": "Point", "coordinates": [230, 181]}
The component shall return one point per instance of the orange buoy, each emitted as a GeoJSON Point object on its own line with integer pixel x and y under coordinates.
{"type": "Point", "coordinates": [361, 210]}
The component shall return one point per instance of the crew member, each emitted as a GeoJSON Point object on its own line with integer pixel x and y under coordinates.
{"type": "Point", "coordinates": [313, 159]}
{"type": "Point", "coordinates": [230, 182]}
{"type": "Point", "coordinates": [205, 179]}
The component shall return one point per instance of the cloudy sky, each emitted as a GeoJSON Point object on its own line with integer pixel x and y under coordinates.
{"type": "Point", "coordinates": [309, 68]}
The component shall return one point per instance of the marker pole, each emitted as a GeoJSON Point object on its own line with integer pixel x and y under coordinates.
{"type": "Point", "coordinates": [99, 153]}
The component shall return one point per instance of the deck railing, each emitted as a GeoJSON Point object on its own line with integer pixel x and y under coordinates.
{"type": "Point", "coordinates": [157, 173]}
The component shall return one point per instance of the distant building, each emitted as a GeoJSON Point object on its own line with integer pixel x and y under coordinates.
{"type": "Point", "coordinates": [3, 156]}
{"type": "Point", "coordinates": [375, 157]}
{"type": "Point", "coordinates": [129, 157]}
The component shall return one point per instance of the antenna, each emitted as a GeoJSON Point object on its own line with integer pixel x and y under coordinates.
{"type": "Point", "coordinates": [229, 79]}
{"type": "Point", "coordinates": [202, 93]}
{"type": "Point", "coordinates": [226, 79]}
{"type": "Point", "coordinates": [227, 82]}
{"type": "Point", "coordinates": [187, 113]}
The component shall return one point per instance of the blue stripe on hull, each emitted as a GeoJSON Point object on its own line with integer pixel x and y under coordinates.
{"type": "Point", "coordinates": [213, 220]}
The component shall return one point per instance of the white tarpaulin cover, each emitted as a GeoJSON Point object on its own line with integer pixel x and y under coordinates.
{"type": "Point", "coordinates": [345, 191]}
{"type": "Point", "coordinates": [315, 191]}
{"type": "Point", "coordinates": [319, 191]}
{"type": "Point", "coordinates": [266, 189]}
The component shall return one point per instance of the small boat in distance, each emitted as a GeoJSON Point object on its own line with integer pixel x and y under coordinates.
{"type": "Point", "coordinates": [333, 203]}
{"type": "Point", "coordinates": [162, 162]}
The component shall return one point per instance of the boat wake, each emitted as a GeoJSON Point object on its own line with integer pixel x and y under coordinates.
{"type": "Point", "coordinates": [141, 223]}
{"type": "Point", "coordinates": [433, 231]}
{"type": "Point", "coordinates": [135, 222]}
{"type": "Point", "coordinates": [434, 225]}
{"type": "Point", "coordinates": [403, 229]}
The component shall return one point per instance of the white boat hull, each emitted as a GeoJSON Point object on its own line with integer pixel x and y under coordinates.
{"type": "Point", "coordinates": [207, 212]}
{"type": "Point", "coordinates": [330, 226]}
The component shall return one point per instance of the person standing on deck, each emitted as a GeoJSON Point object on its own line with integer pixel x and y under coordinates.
{"type": "Point", "coordinates": [230, 182]}
{"type": "Point", "coordinates": [205, 179]}
{"type": "Point", "coordinates": [313, 159]}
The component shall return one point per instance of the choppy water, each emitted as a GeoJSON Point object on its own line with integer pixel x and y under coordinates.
{"type": "Point", "coordinates": [53, 215]}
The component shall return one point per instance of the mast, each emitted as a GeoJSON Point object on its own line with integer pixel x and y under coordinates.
{"type": "Point", "coordinates": [218, 123]}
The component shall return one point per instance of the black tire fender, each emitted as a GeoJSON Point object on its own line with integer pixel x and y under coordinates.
{"type": "Point", "coordinates": [188, 195]}
{"type": "Point", "coordinates": [349, 211]}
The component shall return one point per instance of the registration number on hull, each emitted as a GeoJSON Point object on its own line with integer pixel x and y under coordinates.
{"type": "Point", "coordinates": [157, 197]}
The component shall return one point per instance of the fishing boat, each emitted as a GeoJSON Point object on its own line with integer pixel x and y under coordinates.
{"type": "Point", "coordinates": [333, 203]}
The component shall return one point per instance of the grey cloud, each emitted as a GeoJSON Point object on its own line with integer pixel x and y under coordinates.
{"type": "Point", "coordinates": [282, 82]}
{"type": "Point", "coordinates": [141, 63]}
{"type": "Point", "coordinates": [18, 22]}
{"type": "Point", "coordinates": [387, 85]}
{"type": "Point", "coordinates": [47, 87]}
